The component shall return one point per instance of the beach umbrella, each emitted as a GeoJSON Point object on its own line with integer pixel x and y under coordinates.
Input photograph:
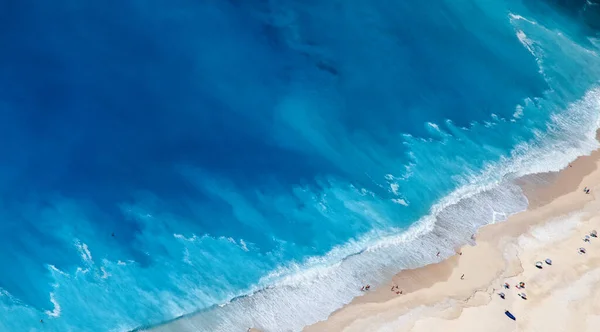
{"type": "Point", "coordinates": [594, 233]}
{"type": "Point", "coordinates": [539, 265]}
{"type": "Point", "coordinates": [548, 261]}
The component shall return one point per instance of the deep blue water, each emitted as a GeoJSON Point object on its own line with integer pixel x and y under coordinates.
{"type": "Point", "coordinates": [233, 145]}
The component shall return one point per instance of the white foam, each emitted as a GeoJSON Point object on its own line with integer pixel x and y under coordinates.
{"type": "Point", "coordinates": [499, 216]}
{"type": "Point", "coordinates": [433, 125]}
{"type": "Point", "coordinates": [394, 187]}
{"type": "Point", "coordinates": [4, 292]}
{"type": "Point", "coordinates": [105, 274]}
{"type": "Point", "coordinates": [529, 45]}
{"type": "Point", "coordinates": [189, 239]}
{"type": "Point", "coordinates": [56, 311]}
{"type": "Point", "coordinates": [400, 201]}
{"type": "Point", "coordinates": [518, 112]}
{"type": "Point", "coordinates": [83, 249]}
{"type": "Point", "coordinates": [515, 17]}
{"type": "Point", "coordinates": [569, 135]}
{"type": "Point", "coordinates": [243, 245]}
{"type": "Point", "coordinates": [55, 269]}
{"type": "Point", "coordinates": [186, 256]}
{"type": "Point", "coordinates": [365, 192]}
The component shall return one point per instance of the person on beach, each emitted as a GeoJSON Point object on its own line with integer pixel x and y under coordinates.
{"type": "Point", "coordinates": [438, 254]}
{"type": "Point", "coordinates": [362, 288]}
{"type": "Point", "coordinates": [462, 277]}
{"type": "Point", "coordinates": [367, 287]}
{"type": "Point", "coordinates": [506, 285]}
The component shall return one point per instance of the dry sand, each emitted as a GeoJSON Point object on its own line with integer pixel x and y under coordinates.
{"type": "Point", "coordinates": [560, 297]}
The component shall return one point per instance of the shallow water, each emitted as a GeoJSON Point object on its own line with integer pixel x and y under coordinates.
{"type": "Point", "coordinates": [286, 150]}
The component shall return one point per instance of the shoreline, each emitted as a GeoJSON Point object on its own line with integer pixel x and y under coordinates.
{"type": "Point", "coordinates": [550, 195]}
{"type": "Point", "coordinates": [540, 190]}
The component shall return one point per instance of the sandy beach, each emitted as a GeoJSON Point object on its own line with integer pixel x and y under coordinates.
{"type": "Point", "coordinates": [462, 292]}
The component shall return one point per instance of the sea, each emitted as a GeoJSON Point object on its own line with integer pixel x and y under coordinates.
{"type": "Point", "coordinates": [215, 165]}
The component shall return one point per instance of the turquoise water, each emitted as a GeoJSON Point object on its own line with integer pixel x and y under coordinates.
{"type": "Point", "coordinates": [259, 161]}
